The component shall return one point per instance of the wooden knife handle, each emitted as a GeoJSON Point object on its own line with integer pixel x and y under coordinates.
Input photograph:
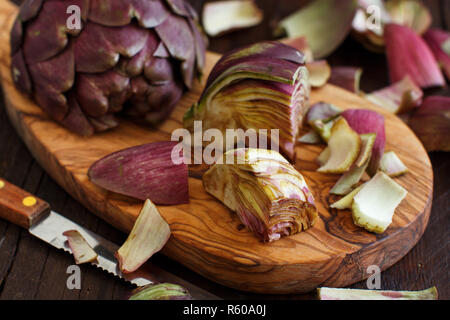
{"type": "Point", "coordinates": [20, 207]}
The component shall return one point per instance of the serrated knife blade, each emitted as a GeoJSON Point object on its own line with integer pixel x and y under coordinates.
{"type": "Point", "coordinates": [50, 229]}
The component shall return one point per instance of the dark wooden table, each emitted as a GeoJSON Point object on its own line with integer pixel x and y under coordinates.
{"type": "Point", "coordinates": [31, 269]}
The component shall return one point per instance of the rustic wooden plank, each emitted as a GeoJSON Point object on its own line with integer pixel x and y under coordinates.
{"type": "Point", "coordinates": [53, 277]}
{"type": "Point", "coordinates": [445, 12]}
{"type": "Point", "coordinates": [435, 9]}
{"type": "Point", "coordinates": [52, 283]}
{"type": "Point", "coordinates": [24, 276]}
{"type": "Point", "coordinates": [9, 237]}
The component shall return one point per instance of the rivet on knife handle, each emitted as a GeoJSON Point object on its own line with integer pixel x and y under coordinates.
{"type": "Point", "coordinates": [20, 207]}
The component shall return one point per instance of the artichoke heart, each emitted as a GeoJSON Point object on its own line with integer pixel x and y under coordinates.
{"type": "Point", "coordinates": [261, 86]}
{"type": "Point", "coordinates": [268, 194]}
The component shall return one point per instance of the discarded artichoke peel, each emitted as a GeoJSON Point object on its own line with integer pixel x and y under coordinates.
{"type": "Point", "coordinates": [431, 123]}
{"type": "Point", "coordinates": [323, 129]}
{"type": "Point", "coordinates": [368, 121]}
{"type": "Point", "coordinates": [344, 144]}
{"type": "Point", "coordinates": [321, 117]}
{"type": "Point", "coordinates": [392, 165]}
{"type": "Point", "coordinates": [220, 17]}
{"type": "Point", "coordinates": [411, 13]}
{"type": "Point", "coordinates": [323, 35]}
{"type": "Point", "coordinates": [319, 73]}
{"type": "Point", "coordinates": [271, 203]}
{"type": "Point", "coordinates": [81, 250]}
{"type": "Point", "coordinates": [367, 142]}
{"type": "Point", "coordinates": [374, 205]}
{"type": "Point", "coordinates": [408, 54]}
{"type": "Point", "coordinates": [149, 235]}
{"type": "Point", "coordinates": [144, 172]}
{"type": "Point", "coordinates": [362, 294]}
{"type": "Point", "coordinates": [161, 291]}
{"type": "Point", "coordinates": [398, 98]}
{"type": "Point", "coordinates": [346, 182]}
{"type": "Point", "coordinates": [311, 137]}
{"type": "Point", "coordinates": [322, 111]}
{"type": "Point", "coordinates": [347, 78]}
{"type": "Point", "coordinates": [346, 202]}
{"type": "Point", "coordinates": [324, 156]}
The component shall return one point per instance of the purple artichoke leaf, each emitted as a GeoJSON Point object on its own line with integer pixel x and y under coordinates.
{"type": "Point", "coordinates": [260, 67]}
{"type": "Point", "coordinates": [57, 72]}
{"type": "Point", "coordinates": [16, 36]}
{"type": "Point", "coordinates": [111, 13]}
{"type": "Point", "coordinates": [128, 40]}
{"type": "Point", "coordinates": [177, 37]}
{"type": "Point", "coordinates": [135, 65]}
{"type": "Point", "coordinates": [139, 87]}
{"type": "Point", "coordinates": [192, 13]}
{"type": "Point", "coordinates": [75, 119]}
{"type": "Point", "coordinates": [98, 48]}
{"type": "Point", "coordinates": [150, 13]}
{"type": "Point", "coordinates": [46, 36]}
{"type": "Point", "coordinates": [29, 9]}
{"type": "Point", "coordinates": [118, 172]}
{"type": "Point", "coordinates": [154, 119]}
{"type": "Point", "coordinates": [322, 111]}
{"type": "Point", "coordinates": [161, 51]}
{"type": "Point", "coordinates": [269, 49]}
{"type": "Point", "coordinates": [200, 48]}
{"type": "Point", "coordinates": [54, 103]}
{"type": "Point", "coordinates": [93, 91]}
{"type": "Point", "coordinates": [104, 122]}
{"type": "Point", "coordinates": [152, 104]}
{"type": "Point", "coordinates": [367, 121]}
{"type": "Point", "coordinates": [20, 74]}
{"type": "Point", "coordinates": [164, 97]}
{"type": "Point", "coordinates": [93, 53]}
{"type": "Point", "coordinates": [92, 100]}
{"type": "Point", "coordinates": [187, 70]}
{"type": "Point", "coordinates": [117, 100]}
{"type": "Point", "coordinates": [178, 6]}
{"type": "Point", "coordinates": [158, 71]}
{"type": "Point", "coordinates": [84, 7]}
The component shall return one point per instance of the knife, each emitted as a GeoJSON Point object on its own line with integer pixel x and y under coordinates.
{"type": "Point", "coordinates": [28, 211]}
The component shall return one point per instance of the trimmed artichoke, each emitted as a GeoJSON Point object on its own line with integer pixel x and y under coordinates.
{"type": "Point", "coordinates": [260, 86]}
{"type": "Point", "coordinates": [270, 197]}
{"type": "Point", "coordinates": [134, 56]}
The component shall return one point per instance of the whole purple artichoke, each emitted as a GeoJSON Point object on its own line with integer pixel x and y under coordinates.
{"type": "Point", "coordinates": [131, 56]}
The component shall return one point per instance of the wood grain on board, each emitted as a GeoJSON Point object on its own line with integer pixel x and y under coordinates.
{"type": "Point", "coordinates": [206, 237]}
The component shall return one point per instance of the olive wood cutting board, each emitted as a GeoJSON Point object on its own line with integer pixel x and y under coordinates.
{"type": "Point", "coordinates": [206, 236]}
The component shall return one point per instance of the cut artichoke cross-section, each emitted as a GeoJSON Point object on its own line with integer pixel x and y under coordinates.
{"type": "Point", "coordinates": [261, 86]}
{"type": "Point", "coordinates": [268, 194]}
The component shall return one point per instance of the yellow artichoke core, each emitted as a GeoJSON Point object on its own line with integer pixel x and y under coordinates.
{"type": "Point", "coordinates": [253, 199]}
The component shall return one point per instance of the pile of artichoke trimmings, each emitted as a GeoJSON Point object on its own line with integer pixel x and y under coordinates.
{"type": "Point", "coordinates": [130, 56]}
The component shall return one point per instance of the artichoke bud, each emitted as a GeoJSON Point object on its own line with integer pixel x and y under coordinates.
{"type": "Point", "coordinates": [268, 194]}
{"type": "Point", "coordinates": [135, 57]}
